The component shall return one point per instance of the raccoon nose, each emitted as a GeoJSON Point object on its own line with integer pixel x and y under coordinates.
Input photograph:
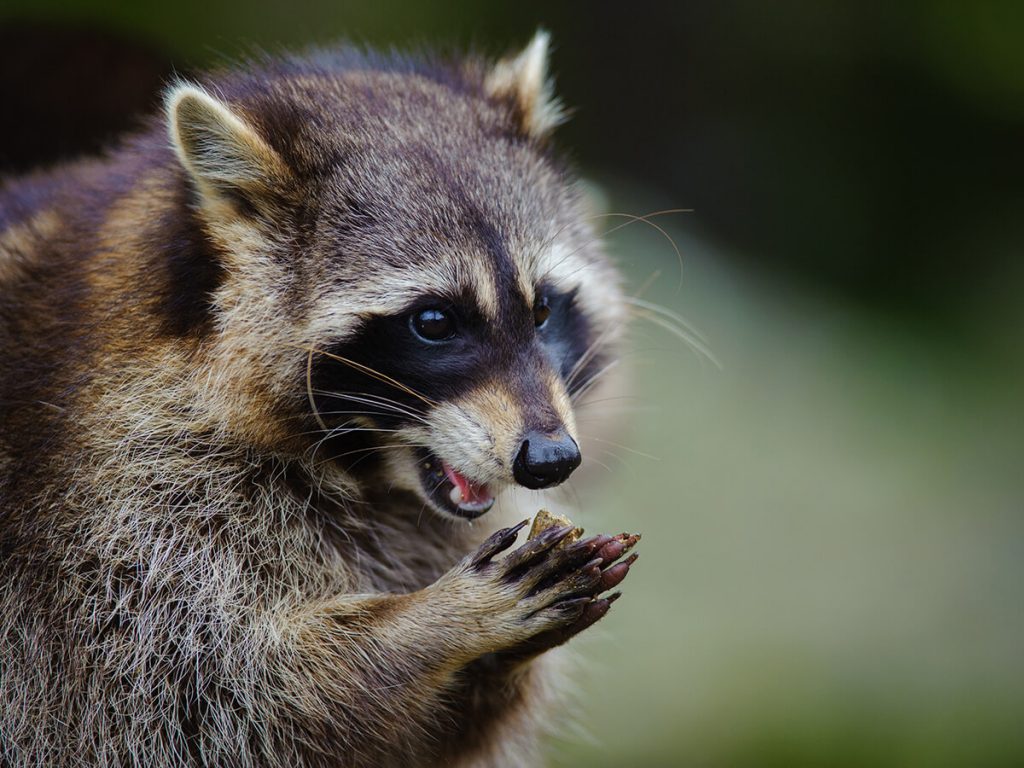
{"type": "Point", "coordinates": [546, 459]}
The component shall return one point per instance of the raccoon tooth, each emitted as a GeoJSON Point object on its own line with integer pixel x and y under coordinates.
{"type": "Point", "coordinates": [455, 495]}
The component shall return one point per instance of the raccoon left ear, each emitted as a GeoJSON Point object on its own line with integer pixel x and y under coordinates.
{"type": "Point", "coordinates": [221, 151]}
{"type": "Point", "coordinates": [524, 79]}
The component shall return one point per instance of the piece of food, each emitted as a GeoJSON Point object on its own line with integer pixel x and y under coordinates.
{"type": "Point", "coordinates": [545, 520]}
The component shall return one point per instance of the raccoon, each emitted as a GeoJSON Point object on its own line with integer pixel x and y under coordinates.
{"type": "Point", "coordinates": [266, 365]}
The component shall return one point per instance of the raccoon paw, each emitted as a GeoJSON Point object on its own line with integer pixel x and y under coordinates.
{"type": "Point", "coordinates": [555, 592]}
{"type": "Point", "coordinates": [606, 551]}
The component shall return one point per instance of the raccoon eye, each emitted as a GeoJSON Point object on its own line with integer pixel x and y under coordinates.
{"type": "Point", "coordinates": [541, 311]}
{"type": "Point", "coordinates": [433, 324]}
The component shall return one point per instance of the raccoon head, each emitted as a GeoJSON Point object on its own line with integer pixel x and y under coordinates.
{"type": "Point", "coordinates": [410, 272]}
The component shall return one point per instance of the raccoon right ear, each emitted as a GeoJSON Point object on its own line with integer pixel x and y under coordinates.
{"type": "Point", "coordinates": [228, 160]}
{"type": "Point", "coordinates": [523, 79]}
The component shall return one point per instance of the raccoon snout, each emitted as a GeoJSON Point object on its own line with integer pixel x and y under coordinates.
{"type": "Point", "coordinates": [545, 460]}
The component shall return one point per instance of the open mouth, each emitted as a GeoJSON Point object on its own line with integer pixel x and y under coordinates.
{"type": "Point", "coordinates": [453, 491]}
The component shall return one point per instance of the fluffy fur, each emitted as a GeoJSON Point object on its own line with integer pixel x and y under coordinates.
{"type": "Point", "coordinates": [216, 545]}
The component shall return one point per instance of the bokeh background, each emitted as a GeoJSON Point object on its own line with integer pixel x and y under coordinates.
{"type": "Point", "coordinates": [833, 564]}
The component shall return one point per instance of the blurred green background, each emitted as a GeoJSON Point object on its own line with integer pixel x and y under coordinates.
{"type": "Point", "coordinates": [833, 559]}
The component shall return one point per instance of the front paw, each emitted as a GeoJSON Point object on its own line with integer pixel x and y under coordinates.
{"type": "Point", "coordinates": [540, 595]}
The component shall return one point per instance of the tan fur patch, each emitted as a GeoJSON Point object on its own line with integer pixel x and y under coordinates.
{"type": "Point", "coordinates": [18, 244]}
{"type": "Point", "coordinates": [478, 434]}
{"type": "Point", "coordinates": [561, 402]}
{"type": "Point", "coordinates": [483, 284]}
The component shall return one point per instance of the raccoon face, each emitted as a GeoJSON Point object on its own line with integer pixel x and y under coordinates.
{"type": "Point", "coordinates": [476, 385]}
{"type": "Point", "coordinates": [436, 283]}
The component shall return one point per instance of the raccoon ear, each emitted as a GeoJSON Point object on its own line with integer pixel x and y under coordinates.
{"type": "Point", "coordinates": [524, 80]}
{"type": "Point", "coordinates": [224, 155]}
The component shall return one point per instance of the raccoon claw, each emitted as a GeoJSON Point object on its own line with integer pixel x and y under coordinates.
{"type": "Point", "coordinates": [618, 546]}
{"type": "Point", "coordinates": [534, 549]}
{"type": "Point", "coordinates": [592, 611]}
{"type": "Point", "coordinates": [496, 543]}
{"type": "Point", "coordinates": [613, 575]}
{"type": "Point", "coordinates": [591, 614]}
{"type": "Point", "coordinates": [595, 610]}
{"type": "Point", "coordinates": [573, 608]}
{"type": "Point", "coordinates": [608, 550]}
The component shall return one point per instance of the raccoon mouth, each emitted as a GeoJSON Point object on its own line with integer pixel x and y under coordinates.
{"type": "Point", "coordinates": [453, 491]}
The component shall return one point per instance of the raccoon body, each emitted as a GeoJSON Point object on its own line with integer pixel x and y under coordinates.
{"type": "Point", "coordinates": [266, 366]}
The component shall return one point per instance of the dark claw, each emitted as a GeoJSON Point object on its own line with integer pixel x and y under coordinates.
{"type": "Point", "coordinates": [499, 541]}
{"type": "Point", "coordinates": [618, 546]}
{"type": "Point", "coordinates": [536, 547]}
{"type": "Point", "coordinates": [574, 607]}
{"type": "Point", "coordinates": [614, 575]}
{"type": "Point", "coordinates": [581, 551]}
{"type": "Point", "coordinates": [552, 536]}
{"type": "Point", "coordinates": [575, 555]}
{"type": "Point", "coordinates": [593, 611]}
{"type": "Point", "coordinates": [583, 584]}
{"type": "Point", "coordinates": [593, 543]}
{"type": "Point", "coordinates": [611, 551]}
{"type": "Point", "coordinates": [591, 615]}
{"type": "Point", "coordinates": [560, 563]}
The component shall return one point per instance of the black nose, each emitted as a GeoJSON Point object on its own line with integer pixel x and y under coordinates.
{"type": "Point", "coordinates": [546, 459]}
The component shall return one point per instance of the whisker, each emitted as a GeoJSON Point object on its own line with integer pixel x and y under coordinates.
{"type": "Point", "coordinates": [351, 413]}
{"type": "Point", "coordinates": [620, 445]}
{"type": "Point", "coordinates": [625, 464]}
{"type": "Point", "coordinates": [372, 372]}
{"type": "Point", "coordinates": [695, 344]}
{"type": "Point", "coordinates": [570, 489]}
{"type": "Point", "coordinates": [368, 396]}
{"type": "Point", "coordinates": [586, 357]}
{"type": "Point", "coordinates": [381, 377]}
{"type": "Point", "coordinates": [646, 220]}
{"type": "Point", "coordinates": [601, 464]}
{"type": "Point", "coordinates": [346, 428]}
{"type": "Point", "coordinates": [667, 313]}
{"type": "Point", "coordinates": [651, 280]}
{"type": "Point", "coordinates": [632, 219]}
{"type": "Point", "coordinates": [374, 448]}
{"type": "Point", "coordinates": [636, 217]}
{"type": "Point", "coordinates": [309, 389]}
{"type": "Point", "coordinates": [343, 430]}
{"type": "Point", "coordinates": [379, 398]}
{"type": "Point", "coordinates": [633, 398]}
{"type": "Point", "coordinates": [589, 383]}
{"type": "Point", "coordinates": [607, 403]}
{"type": "Point", "coordinates": [368, 400]}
